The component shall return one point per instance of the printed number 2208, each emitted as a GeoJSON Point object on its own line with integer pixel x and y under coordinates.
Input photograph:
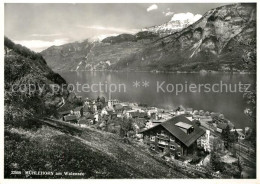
{"type": "Point", "coordinates": [16, 172]}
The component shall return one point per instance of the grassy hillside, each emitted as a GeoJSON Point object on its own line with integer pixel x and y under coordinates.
{"type": "Point", "coordinates": [95, 153]}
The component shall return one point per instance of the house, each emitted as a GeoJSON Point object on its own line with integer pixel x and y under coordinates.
{"type": "Point", "coordinates": [178, 135]}
{"type": "Point", "coordinates": [152, 123]}
{"type": "Point", "coordinates": [221, 127]}
{"type": "Point", "coordinates": [139, 123]}
{"type": "Point", "coordinates": [138, 114]}
{"type": "Point", "coordinates": [241, 136]}
{"type": "Point", "coordinates": [180, 110]}
{"type": "Point", "coordinates": [112, 102]}
{"type": "Point", "coordinates": [206, 141]}
{"type": "Point", "coordinates": [118, 108]}
{"type": "Point", "coordinates": [83, 123]}
{"type": "Point", "coordinates": [96, 117]}
{"type": "Point", "coordinates": [189, 116]}
{"type": "Point", "coordinates": [89, 116]}
{"type": "Point", "coordinates": [71, 118]}
{"type": "Point", "coordinates": [64, 113]}
{"type": "Point", "coordinates": [78, 111]}
{"type": "Point", "coordinates": [189, 110]}
{"type": "Point", "coordinates": [86, 110]}
{"type": "Point", "coordinates": [104, 112]}
{"type": "Point", "coordinates": [201, 113]}
{"type": "Point", "coordinates": [87, 102]}
{"type": "Point", "coordinates": [126, 106]}
{"type": "Point", "coordinates": [196, 112]}
{"type": "Point", "coordinates": [93, 107]}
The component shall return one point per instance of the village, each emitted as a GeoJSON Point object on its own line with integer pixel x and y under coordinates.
{"type": "Point", "coordinates": [196, 140]}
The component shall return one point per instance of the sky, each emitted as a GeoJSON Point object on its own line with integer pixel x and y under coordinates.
{"type": "Point", "coordinates": [39, 26]}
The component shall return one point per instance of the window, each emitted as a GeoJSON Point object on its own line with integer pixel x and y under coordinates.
{"type": "Point", "coordinates": [172, 139]}
{"type": "Point", "coordinates": [172, 147]}
{"type": "Point", "coordinates": [162, 132]}
{"type": "Point", "coordinates": [152, 138]}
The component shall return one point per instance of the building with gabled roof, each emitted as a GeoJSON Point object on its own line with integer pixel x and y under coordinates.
{"type": "Point", "coordinates": [178, 134]}
{"type": "Point", "coordinates": [71, 118]}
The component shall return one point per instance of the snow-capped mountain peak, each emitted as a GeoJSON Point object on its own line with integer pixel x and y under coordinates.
{"type": "Point", "coordinates": [178, 22]}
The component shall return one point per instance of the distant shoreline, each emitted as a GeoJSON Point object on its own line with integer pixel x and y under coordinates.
{"type": "Point", "coordinates": [166, 72]}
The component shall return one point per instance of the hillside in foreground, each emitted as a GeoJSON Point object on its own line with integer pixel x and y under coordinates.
{"type": "Point", "coordinates": [95, 153]}
{"type": "Point", "coordinates": [31, 145]}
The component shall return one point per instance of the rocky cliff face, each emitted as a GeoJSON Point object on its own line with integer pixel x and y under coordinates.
{"type": "Point", "coordinates": [94, 55]}
{"type": "Point", "coordinates": [223, 39]}
{"type": "Point", "coordinates": [29, 84]}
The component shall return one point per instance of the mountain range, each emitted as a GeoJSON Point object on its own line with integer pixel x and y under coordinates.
{"type": "Point", "coordinates": [223, 39]}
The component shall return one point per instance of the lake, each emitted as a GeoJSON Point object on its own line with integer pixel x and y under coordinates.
{"type": "Point", "coordinates": [160, 90]}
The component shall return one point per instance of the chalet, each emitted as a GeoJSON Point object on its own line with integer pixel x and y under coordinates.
{"type": "Point", "coordinates": [178, 135]}
{"type": "Point", "coordinates": [70, 118]}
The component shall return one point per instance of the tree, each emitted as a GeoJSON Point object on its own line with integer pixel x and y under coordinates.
{"type": "Point", "coordinates": [197, 122]}
{"type": "Point", "coordinates": [103, 100]}
{"type": "Point", "coordinates": [226, 136]}
{"type": "Point", "coordinates": [250, 111]}
{"type": "Point", "coordinates": [215, 162]}
{"type": "Point", "coordinates": [125, 127]}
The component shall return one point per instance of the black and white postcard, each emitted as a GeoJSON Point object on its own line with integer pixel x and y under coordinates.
{"type": "Point", "coordinates": [130, 91]}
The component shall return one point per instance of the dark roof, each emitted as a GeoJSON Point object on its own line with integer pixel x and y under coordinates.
{"type": "Point", "coordinates": [64, 112]}
{"type": "Point", "coordinates": [118, 107]}
{"type": "Point", "coordinates": [158, 120]}
{"type": "Point", "coordinates": [186, 139]}
{"type": "Point", "coordinates": [222, 125]}
{"type": "Point", "coordinates": [138, 114]}
{"type": "Point", "coordinates": [78, 108]}
{"type": "Point", "coordinates": [180, 108]}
